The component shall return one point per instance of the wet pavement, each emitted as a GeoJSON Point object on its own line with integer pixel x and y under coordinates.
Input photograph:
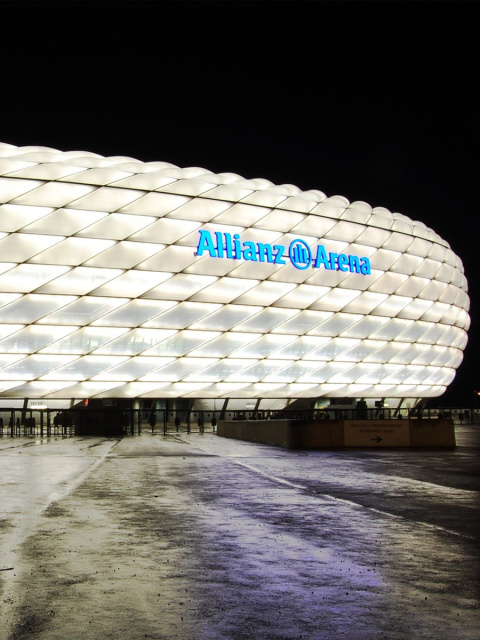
{"type": "Point", "coordinates": [196, 537]}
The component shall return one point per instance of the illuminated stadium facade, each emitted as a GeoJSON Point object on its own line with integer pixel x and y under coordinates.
{"type": "Point", "coordinates": [124, 279]}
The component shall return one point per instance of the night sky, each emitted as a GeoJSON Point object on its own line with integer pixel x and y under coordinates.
{"type": "Point", "coordinates": [375, 101]}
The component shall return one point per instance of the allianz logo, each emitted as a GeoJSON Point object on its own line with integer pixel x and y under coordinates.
{"type": "Point", "coordinates": [299, 253]}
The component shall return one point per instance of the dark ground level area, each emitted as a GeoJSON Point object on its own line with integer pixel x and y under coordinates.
{"type": "Point", "coordinates": [190, 536]}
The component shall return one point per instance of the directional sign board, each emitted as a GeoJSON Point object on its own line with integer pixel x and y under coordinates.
{"type": "Point", "coordinates": [37, 404]}
{"type": "Point", "coordinates": [376, 433]}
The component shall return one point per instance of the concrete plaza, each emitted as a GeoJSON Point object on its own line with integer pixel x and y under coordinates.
{"type": "Point", "coordinates": [198, 537]}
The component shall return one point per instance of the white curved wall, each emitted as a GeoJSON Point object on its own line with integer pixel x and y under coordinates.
{"type": "Point", "coordinates": [105, 290]}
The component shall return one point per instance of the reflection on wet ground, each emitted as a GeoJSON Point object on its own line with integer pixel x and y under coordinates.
{"type": "Point", "coordinates": [193, 536]}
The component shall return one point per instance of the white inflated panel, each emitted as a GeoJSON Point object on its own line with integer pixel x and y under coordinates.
{"type": "Point", "coordinates": [123, 278]}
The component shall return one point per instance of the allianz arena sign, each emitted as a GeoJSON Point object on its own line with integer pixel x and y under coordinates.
{"type": "Point", "coordinates": [120, 278]}
{"type": "Point", "coordinates": [299, 253]}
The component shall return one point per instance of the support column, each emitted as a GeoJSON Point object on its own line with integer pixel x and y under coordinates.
{"type": "Point", "coordinates": [223, 410]}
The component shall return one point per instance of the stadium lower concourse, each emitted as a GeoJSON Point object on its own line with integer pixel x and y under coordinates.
{"type": "Point", "coordinates": [180, 295]}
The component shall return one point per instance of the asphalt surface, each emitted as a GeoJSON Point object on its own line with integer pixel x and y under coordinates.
{"type": "Point", "coordinates": [196, 537]}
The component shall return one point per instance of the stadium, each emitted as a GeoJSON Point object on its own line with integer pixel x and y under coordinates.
{"type": "Point", "coordinates": [176, 289]}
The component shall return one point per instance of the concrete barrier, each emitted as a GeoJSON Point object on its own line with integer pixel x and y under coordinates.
{"type": "Point", "coordinates": [432, 433]}
{"type": "Point", "coordinates": [335, 434]}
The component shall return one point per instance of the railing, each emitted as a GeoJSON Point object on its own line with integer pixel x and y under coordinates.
{"type": "Point", "coordinates": [168, 422]}
{"type": "Point", "coordinates": [18, 423]}
{"type": "Point", "coordinates": [122, 422]}
{"type": "Point", "coordinates": [104, 421]}
{"type": "Point", "coordinates": [465, 416]}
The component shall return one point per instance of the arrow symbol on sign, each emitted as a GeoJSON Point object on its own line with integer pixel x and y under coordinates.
{"type": "Point", "coordinates": [377, 439]}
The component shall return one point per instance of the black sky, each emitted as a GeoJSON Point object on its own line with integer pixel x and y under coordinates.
{"type": "Point", "coordinates": [375, 101]}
